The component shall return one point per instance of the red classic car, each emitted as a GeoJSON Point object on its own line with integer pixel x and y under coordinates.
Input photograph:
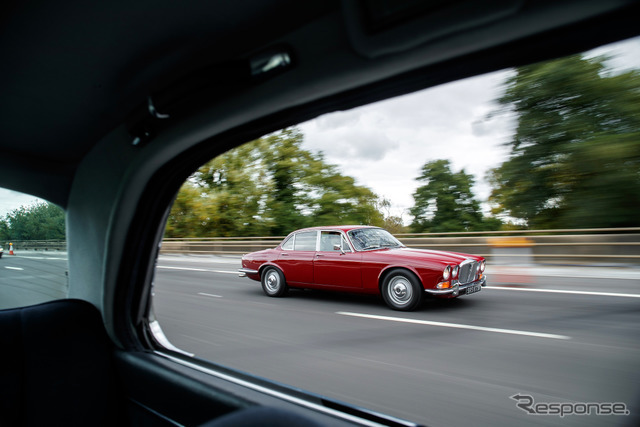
{"type": "Point", "coordinates": [363, 259]}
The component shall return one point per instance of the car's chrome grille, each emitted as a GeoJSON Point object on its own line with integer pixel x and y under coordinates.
{"type": "Point", "coordinates": [468, 272]}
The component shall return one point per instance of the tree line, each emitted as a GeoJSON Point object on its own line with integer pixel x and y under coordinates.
{"type": "Point", "coordinates": [574, 163]}
{"type": "Point", "coordinates": [269, 186]}
{"type": "Point", "coordinates": [41, 221]}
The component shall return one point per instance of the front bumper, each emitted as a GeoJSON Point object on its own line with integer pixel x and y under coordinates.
{"type": "Point", "coordinates": [244, 272]}
{"type": "Point", "coordinates": [457, 289]}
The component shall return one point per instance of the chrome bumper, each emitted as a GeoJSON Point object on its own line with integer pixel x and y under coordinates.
{"type": "Point", "coordinates": [244, 271]}
{"type": "Point", "coordinates": [456, 289]}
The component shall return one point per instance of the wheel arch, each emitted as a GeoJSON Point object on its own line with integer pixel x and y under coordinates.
{"type": "Point", "coordinates": [266, 265]}
{"type": "Point", "coordinates": [393, 268]}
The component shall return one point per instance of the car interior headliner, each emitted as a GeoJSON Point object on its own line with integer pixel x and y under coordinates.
{"type": "Point", "coordinates": [75, 71]}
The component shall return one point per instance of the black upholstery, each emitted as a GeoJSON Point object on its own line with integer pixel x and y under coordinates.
{"type": "Point", "coordinates": [56, 367]}
{"type": "Point", "coordinates": [263, 417]}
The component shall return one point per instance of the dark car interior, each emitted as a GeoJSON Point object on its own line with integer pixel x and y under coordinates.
{"type": "Point", "coordinates": [107, 107]}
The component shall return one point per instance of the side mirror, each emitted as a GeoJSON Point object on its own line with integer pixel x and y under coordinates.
{"type": "Point", "coordinates": [338, 248]}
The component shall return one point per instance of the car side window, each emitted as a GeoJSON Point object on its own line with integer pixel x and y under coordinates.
{"type": "Point", "coordinates": [330, 239]}
{"type": "Point", "coordinates": [288, 244]}
{"type": "Point", "coordinates": [305, 241]}
{"type": "Point", "coordinates": [33, 251]}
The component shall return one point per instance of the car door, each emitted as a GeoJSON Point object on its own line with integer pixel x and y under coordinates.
{"type": "Point", "coordinates": [297, 263]}
{"type": "Point", "coordinates": [336, 267]}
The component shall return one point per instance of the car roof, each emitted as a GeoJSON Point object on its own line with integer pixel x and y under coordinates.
{"type": "Point", "coordinates": [76, 73]}
{"type": "Point", "coordinates": [344, 228]}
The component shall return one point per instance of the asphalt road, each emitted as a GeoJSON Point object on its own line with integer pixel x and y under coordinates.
{"type": "Point", "coordinates": [537, 332]}
{"type": "Point", "coordinates": [556, 334]}
{"type": "Point", "coordinates": [32, 278]}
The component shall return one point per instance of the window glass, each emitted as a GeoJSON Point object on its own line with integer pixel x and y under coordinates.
{"type": "Point", "coordinates": [33, 257]}
{"type": "Point", "coordinates": [485, 166]}
{"type": "Point", "coordinates": [288, 244]}
{"type": "Point", "coordinates": [306, 241]}
{"type": "Point", "coordinates": [365, 239]}
{"type": "Point", "coordinates": [330, 239]}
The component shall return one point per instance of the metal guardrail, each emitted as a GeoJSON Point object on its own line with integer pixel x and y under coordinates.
{"type": "Point", "coordinates": [35, 245]}
{"type": "Point", "coordinates": [595, 245]}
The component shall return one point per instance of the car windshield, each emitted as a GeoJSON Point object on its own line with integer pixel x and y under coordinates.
{"type": "Point", "coordinates": [365, 239]}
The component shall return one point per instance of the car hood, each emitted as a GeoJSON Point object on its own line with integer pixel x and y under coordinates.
{"type": "Point", "coordinates": [444, 257]}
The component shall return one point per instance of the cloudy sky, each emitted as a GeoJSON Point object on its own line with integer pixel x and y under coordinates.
{"type": "Point", "coordinates": [10, 200]}
{"type": "Point", "coordinates": [384, 145]}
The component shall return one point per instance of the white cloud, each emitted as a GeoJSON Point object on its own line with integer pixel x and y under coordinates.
{"type": "Point", "coordinates": [10, 200]}
{"type": "Point", "coordinates": [358, 141]}
{"type": "Point", "coordinates": [384, 145]}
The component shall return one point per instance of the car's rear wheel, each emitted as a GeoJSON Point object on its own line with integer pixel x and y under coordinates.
{"type": "Point", "coordinates": [402, 291]}
{"type": "Point", "coordinates": [273, 282]}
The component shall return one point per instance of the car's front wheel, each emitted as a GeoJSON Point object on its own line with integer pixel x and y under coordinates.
{"type": "Point", "coordinates": [273, 282]}
{"type": "Point", "coordinates": [402, 291]}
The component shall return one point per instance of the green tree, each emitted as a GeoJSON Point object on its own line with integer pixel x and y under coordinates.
{"type": "Point", "coordinates": [4, 230]}
{"type": "Point", "coordinates": [392, 223]}
{"type": "Point", "coordinates": [445, 202]}
{"type": "Point", "coordinates": [575, 154]}
{"type": "Point", "coordinates": [269, 186]}
{"type": "Point", "coordinates": [43, 221]}
{"type": "Point", "coordinates": [224, 197]}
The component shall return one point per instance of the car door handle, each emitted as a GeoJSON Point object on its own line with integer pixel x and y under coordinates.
{"type": "Point", "coordinates": [284, 254]}
{"type": "Point", "coordinates": [318, 254]}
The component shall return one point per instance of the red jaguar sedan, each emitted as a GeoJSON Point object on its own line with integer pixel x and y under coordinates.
{"type": "Point", "coordinates": [363, 259]}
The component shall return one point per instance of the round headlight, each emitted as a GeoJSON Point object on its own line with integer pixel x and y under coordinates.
{"type": "Point", "coordinates": [455, 271]}
{"type": "Point", "coordinates": [446, 273]}
{"type": "Point", "coordinates": [482, 266]}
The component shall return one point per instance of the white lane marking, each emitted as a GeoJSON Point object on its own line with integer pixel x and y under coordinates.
{"type": "Point", "coordinates": [14, 268]}
{"type": "Point", "coordinates": [41, 257]}
{"type": "Point", "coordinates": [570, 272]}
{"type": "Point", "coordinates": [561, 291]}
{"type": "Point", "coordinates": [197, 269]}
{"type": "Point", "coordinates": [182, 268]}
{"type": "Point", "coordinates": [209, 295]}
{"type": "Point", "coordinates": [457, 326]}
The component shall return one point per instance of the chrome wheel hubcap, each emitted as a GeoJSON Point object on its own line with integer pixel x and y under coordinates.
{"type": "Point", "coordinates": [273, 281]}
{"type": "Point", "coordinates": [400, 290]}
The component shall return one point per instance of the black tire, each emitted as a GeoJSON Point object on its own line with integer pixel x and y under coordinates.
{"type": "Point", "coordinates": [402, 291]}
{"type": "Point", "coordinates": [273, 282]}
